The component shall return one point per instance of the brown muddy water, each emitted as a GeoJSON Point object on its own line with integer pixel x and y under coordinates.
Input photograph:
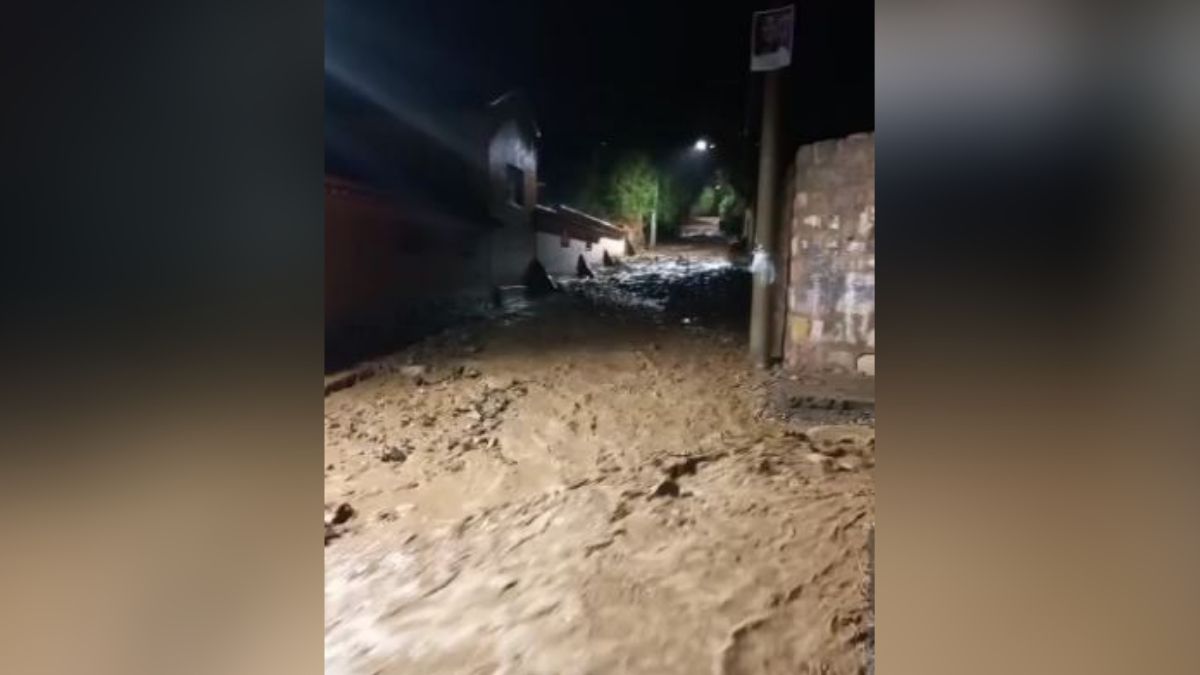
{"type": "Point", "coordinates": [590, 483]}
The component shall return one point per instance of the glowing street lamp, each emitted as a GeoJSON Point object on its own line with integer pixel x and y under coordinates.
{"type": "Point", "coordinates": [702, 145]}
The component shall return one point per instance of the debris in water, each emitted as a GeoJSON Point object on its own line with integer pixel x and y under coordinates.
{"type": "Point", "coordinates": [667, 488]}
{"type": "Point", "coordinates": [582, 269]}
{"type": "Point", "coordinates": [394, 454]}
{"type": "Point", "coordinates": [414, 371]}
{"type": "Point", "coordinates": [335, 519]}
{"type": "Point", "coordinates": [340, 514]}
{"type": "Point", "coordinates": [537, 281]}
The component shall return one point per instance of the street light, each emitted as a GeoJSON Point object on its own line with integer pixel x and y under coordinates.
{"type": "Point", "coordinates": [701, 145]}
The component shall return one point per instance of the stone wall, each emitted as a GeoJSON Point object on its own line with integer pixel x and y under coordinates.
{"type": "Point", "coordinates": [830, 275]}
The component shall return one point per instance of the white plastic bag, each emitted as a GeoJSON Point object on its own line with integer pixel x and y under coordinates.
{"type": "Point", "coordinates": [761, 266]}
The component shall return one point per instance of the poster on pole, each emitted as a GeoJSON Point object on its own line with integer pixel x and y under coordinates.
{"type": "Point", "coordinates": [771, 39]}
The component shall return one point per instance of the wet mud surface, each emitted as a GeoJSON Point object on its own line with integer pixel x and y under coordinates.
{"type": "Point", "coordinates": [593, 482]}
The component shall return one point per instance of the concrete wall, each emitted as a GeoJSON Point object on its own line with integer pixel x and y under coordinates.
{"type": "Point", "coordinates": [392, 268]}
{"type": "Point", "coordinates": [561, 260]}
{"type": "Point", "coordinates": [830, 278]}
{"type": "Point", "coordinates": [564, 234]}
{"type": "Point", "coordinates": [513, 240]}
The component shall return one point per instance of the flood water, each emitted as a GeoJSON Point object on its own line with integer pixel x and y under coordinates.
{"type": "Point", "coordinates": [587, 482]}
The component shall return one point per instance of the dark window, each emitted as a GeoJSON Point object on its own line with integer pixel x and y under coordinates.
{"type": "Point", "coordinates": [516, 185]}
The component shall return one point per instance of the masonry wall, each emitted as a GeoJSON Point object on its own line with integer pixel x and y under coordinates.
{"type": "Point", "coordinates": [830, 275]}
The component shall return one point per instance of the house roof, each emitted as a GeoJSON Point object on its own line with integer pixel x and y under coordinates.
{"type": "Point", "coordinates": [514, 103]}
{"type": "Point", "coordinates": [575, 224]}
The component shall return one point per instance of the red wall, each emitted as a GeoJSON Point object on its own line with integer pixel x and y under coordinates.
{"type": "Point", "coordinates": [384, 261]}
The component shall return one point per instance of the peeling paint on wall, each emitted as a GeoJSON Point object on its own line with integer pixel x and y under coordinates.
{"type": "Point", "coordinates": [866, 222]}
{"type": "Point", "coordinates": [857, 306]}
{"type": "Point", "coordinates": [818, 330]}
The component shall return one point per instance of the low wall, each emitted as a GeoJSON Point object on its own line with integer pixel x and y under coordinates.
{"type": "Point", "coordinates": [561, 260]}
{"type": "Point", "coordinates": [564, 234]}
{"type": "Point", "coordinates": [830, 275]}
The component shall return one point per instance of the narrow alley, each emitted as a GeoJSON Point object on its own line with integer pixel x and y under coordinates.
{"type": "Point", "coordinates": [598, 481]}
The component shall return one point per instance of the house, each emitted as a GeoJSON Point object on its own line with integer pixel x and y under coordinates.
{"type": "Point", "coordinates": [425, 216]}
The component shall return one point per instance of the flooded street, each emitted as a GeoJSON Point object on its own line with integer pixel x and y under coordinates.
{"type": "Point", "coordinates": [591, 483]}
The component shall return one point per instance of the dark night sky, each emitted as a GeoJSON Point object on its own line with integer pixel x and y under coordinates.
{"type": "Point", "coordinates": [652, 75]}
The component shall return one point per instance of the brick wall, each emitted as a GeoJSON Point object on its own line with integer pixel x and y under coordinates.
{"type": "Point", "coordinates": [830, 278]}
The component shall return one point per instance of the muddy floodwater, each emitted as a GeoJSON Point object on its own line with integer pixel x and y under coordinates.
{"type": "Point", "coordinates": [594, 482]}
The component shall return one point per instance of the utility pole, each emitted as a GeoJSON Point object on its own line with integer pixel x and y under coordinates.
{"type": "Point", "coordinates": [654, 215]}
{"type": "Point", "coordinates": [770, 52]}
{"type": "Point", "coordinates": [765, 216]}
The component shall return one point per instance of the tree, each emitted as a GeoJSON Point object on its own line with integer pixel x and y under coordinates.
{"type": "Point", "coordinates": [729, 205]}
{"type": "Point", "coordinates": [706, 204]}
{"type": "Point", "coordinates": [632, 187]}
{"type": "Point", "coordinates": [591, 196]}
{"type": "Point", "coordinates": [624, 191]}
{"type": "Point", "coordinates": [672, 205]}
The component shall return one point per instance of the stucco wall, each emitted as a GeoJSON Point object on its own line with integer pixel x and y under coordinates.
{"type": "Point", "coordinates": [831, 274]}
{"type": "Point", "coordinates": [561, 260]}
{"type": "Point", "coordinates": [513, 241]}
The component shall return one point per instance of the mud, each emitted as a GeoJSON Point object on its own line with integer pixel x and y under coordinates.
{"type": "Point", "coordinates": [808, 399]}
{"type": "Point", "coordinates": [593, 485]}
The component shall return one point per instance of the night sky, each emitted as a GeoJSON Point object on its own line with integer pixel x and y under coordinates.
{"type": "Point", "coordinates": [615, 75]}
